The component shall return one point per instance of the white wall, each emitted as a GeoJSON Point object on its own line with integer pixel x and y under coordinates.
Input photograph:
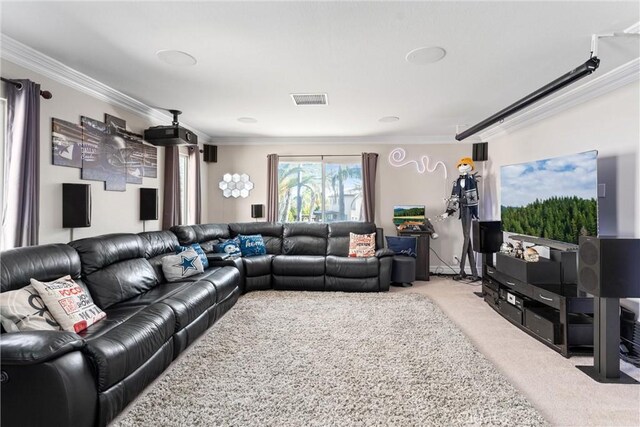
{"type": "Point", "coordinates": [112, 212]}
{"type": "Point", "coordinates": [609, 124]}
{"type": "Point", "coordinates": [395, 186]}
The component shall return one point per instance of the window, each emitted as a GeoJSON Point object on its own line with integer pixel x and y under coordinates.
{"type": "Point", "coordinates": [184, 182]}
{"type": "Point", "coordinates": [320, 189]}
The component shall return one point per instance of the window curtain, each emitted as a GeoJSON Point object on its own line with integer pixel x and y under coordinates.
{"type": "Point", "coordinates": [21, 206]}
{"type": "Point", "coordinates": [369, 167]}
{"type": "Point", "coordinates": [195, 186]}
{"type": "Point", "coordinates": [272, 188]}
{"type": "Point", "coordinates": [171, 214]}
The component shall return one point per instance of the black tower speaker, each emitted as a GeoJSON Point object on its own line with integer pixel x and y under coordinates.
{"type": "Point", "coordinates": [607, 267]}
{"type": "Point", "coordinates": [257, 211]}
{"type": "Point", "coordinates": [480, 152]}
{"type": "Point", "coordinates": [76, 205]}
{"type": "Point", "coordinates": [148, 204]}
{"type": "Point", "coordinates": [487, 236]}
{"type": "Point", "coordinates": [210, 153]}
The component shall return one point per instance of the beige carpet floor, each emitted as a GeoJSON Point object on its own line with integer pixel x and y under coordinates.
{"type": "Point", "coordinates": [564, 395]}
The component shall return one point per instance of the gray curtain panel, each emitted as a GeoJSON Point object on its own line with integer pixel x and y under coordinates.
{"type": "Point", "coordinates": [369, 167]}
{"type": "Point", "coordinates": [272, 188]}
{"type": "Point", "coordinates": [171, 214]}
{"type": "Point", "coordinates": [21, 210]}
{"type": "Point", "coordinates": [194, 159]}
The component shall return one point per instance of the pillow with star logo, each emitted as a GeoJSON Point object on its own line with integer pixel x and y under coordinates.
{"type": "Point", "coordinates": [181, 266]}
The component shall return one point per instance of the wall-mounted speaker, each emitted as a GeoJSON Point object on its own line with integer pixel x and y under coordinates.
{"type": "Point", "coordinates": [257, 211]}
{"type": "Point", "coordinates": [76, 205]}
{"type": "Point", "coordinates": [607, 267]}
{"type": "Point", "coordinates": [210, 153]}
{"type": "Point", "coordinates": [480, 152]}
{"type": "Point", "coordinates": [148, 204]}
{"type": "Point", "coordinates": [487, 236]}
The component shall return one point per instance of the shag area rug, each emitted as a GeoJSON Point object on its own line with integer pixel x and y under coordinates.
{"type": "Point", "coordinates": [332, 359]}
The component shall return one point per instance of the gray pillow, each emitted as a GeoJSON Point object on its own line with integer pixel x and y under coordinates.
{"type": "Point", "coordinates": [181, 266]}
{"type": "Point", "coordinates": [24, 310]}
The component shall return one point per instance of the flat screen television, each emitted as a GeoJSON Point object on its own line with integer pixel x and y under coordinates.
{"type": "Point", "coordinates": [408, 214]}
{"type": "Point", "coordinates": [553, 198]}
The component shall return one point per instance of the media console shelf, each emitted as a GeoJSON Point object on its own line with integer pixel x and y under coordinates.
{"type": "Point", "coordinates": [549, 309]}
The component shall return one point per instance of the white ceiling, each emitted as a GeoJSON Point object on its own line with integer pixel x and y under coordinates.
{"type": "Point", "coordinates": [252, 55]}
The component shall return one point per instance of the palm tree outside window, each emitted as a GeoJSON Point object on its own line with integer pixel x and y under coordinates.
{"type": "Point", "coordinates": [320, 189]}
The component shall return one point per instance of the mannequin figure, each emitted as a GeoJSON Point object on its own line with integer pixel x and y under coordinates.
{"type": "Point", "coordinates": [464, 198]}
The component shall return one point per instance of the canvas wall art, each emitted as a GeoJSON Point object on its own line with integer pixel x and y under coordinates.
{"type": "Point", "coordinates": [150, 161]}
{"type": "Point", "coordinates": [104, 151]}
{"type": "Point", "coordinates": [115, 124]}
{"type": "Point", "coordinates": [66, 138]}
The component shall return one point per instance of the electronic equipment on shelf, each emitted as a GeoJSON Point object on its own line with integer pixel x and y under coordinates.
{"type": "Point", "coordinates": [534, 297]}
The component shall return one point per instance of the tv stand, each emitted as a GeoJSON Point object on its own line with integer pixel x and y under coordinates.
{"type": "Point", "coordinates": [541, 300]}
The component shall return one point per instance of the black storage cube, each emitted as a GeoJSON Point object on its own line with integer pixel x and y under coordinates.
{"type": "Point", "coordinates": [544, 271]}
{"type": "Point", "coordinates": [510, 311]}
{"type": "Point", "coordinates": [544, 322]}
{"type": "Point", "coordinates": [580, 330]}
{"type": "Point", "coordinates": [490, 295]}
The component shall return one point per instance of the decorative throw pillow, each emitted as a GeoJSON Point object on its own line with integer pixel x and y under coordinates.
{"type": "Point", "coordinates": [230, 247]}
{"type": "Point", "coordinates": [181, 266]}
{"type": "Point", "coordinates": [252, 245]}
{"type": "Point", "coordinates": [24, 310]}
{"type": "Point", "coordinates": [403, 245]}
{"type": "Point", "coordinates": [196, 247]}
{"type": "Point", "coordinates": [69, 303]}
{"type": "Point", "coordinates": [362, 245]}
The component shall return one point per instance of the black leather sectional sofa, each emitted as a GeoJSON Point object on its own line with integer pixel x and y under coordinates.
{"type": "Point", "coordinates": [58, 378]}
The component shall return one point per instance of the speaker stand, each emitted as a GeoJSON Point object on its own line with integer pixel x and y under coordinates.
{"type": "Point", "coordinates": [71, 234]}
{"type": "Point", "coordinates": [144, 226]}
{"type": "Point", "coordinates": [606, 343]}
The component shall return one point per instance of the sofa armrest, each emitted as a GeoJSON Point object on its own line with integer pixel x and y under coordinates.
{"type": "Point", "coordinates": [33, 347]}
{"type": "Point", "coordinates": [384, 252]}
{"type": "Point", "coordinates": [232, 261]}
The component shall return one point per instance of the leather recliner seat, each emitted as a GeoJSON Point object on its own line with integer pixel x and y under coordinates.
{"type": "Point", "coordinates": [87, 378]}
{"type": "Point", "coordinates": [149, 322]}
{"type": "Point", "coordinates": [301, 256]}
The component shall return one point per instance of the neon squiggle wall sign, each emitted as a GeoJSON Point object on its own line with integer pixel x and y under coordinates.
{"type": "Point", "coordinates": [397, 159]}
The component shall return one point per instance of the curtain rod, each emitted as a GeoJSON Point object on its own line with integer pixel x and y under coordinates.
{"type": "Point", "coordinates": [322, 155]}
{"type": "Point", "coordinates": [43, 93]}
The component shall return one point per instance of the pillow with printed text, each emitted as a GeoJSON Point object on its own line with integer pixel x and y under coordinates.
{"type": "Point", "coordinates": [252, 245]}
{"type": "Point", "coordinates": [362, 245]}
{"type": "Point", "coordinates": [69, 303]}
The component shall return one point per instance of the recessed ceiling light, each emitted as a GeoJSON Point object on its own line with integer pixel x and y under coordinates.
{"type": "Point", "coordinates": [247, 120]}
{"type": "Point", "coordinates": [389, 119]}
{"type": "Point", "coordinates": [426, 55]}
{"type": "Point", "coordinates": [176, 57]}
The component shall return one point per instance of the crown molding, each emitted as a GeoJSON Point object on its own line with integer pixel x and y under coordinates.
{"type": "Point", "coordinates": [31, 59]}
{"type": "Point", "coordinates": [336, 140]}
{"type": "Point", "coordinates": [610, 81]}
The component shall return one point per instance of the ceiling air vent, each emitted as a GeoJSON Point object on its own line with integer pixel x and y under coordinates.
{"type": "Point", "coordinates": [309, 98]}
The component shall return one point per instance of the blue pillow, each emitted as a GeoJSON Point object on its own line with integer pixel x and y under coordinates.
{"type": "Point", "coordinates": [402, 245]}
{"type": "Point", "coordinates": [252, 245]}
{"type": "Point", "coordinates": [231, 247]}
{"type": "Point", "coordinates": [196, 247]}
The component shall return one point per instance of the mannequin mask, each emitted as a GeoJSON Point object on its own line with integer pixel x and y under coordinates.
{"type": "Point", "coordinates": [464, 169]}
